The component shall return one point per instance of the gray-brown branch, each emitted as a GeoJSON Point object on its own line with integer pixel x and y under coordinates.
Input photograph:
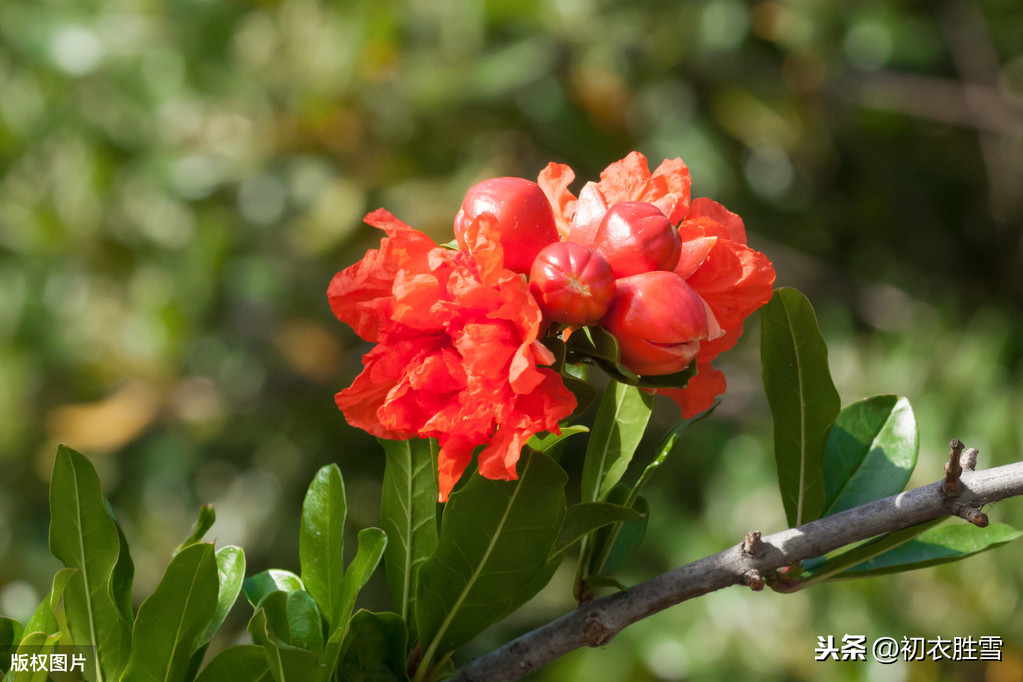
{"type": "Point", "coordinates": [596, 622]}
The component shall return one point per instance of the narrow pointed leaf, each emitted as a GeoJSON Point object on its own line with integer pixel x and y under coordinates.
{"type": "Point", "coordinates": [803, 400]}
{"type": "Point", "coordinates": [372, 543]}
{"type": "Point", "coordinates": [374, 650]}
{"type": "Point", "coordinates": [585, 517]}
{"type": "Point", "coordinates": [548, 440]}
{"type": "Point", "coordinates": [123, 574]}
{"type": "Point", "coordinates": [408, 515]}
{"type": "Point", "coordinates": [34, 643]}
{"type": "Point", "coordinates": [44, 620]}
{"type": "Point", "coordinates": [938, 545]}
{"type": "Point", "coordinates": [172, 618]}
{"type": "Point", "coordinates": [275, 579]}
{"type": "Point", "coordinates": [495, 538]}
{"type": "Point", "coordinates": [870, 452]}
{"type": "Point", "coordinates": [625, 538]}
{"type": "Point", "coordinates": [242, 663]}
{"type": "Point", "coordinates": [617, 431]}
{"type": "Point", "coordinates": [207, 516]}
{"type": "Point", "coordinates": [321, 539]}
{"type": "Point", "coordinates": [230, 573]}
{"type": "Point", "coordinates": [84, 537]}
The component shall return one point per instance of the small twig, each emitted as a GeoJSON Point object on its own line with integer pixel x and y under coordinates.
{"type": "Point", "coordinates": [953, 470]}
{"type": "Point", "coordinates": [753, 579]}
{"type": "Point", "coordinates": [969, 459]}
{"type": "Point", "coordinates": [752, 544]}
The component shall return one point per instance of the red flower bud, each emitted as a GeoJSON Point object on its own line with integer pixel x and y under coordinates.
{"type": "Point", "coordinates": [636, 237]}
{"type": "Point", "coordinates": [572, 283]}
{"type": "Point", "coordinates": [659, 322]}
{"type": "Point", "coordinates": [525, 219]}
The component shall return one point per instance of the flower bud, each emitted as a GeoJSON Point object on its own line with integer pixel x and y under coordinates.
{"type": "Point", "coordinates": [525, 219]}
{"type": "Point", "coordinates": [572, 283]}
{"type": "Point", "coordinates": [636, 237]}
{"type": "Point", "coordinates": [659, 322]}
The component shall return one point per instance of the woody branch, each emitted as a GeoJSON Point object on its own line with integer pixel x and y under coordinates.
{"type": "Point", "coordinates": [594, 623]}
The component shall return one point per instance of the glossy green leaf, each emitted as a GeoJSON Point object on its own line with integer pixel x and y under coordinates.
{"type": "Point", "coordinates": [374, 650]}
{"type": "Point", "coordinates": [945, 543]}
{"type": "Point", "coordinates": [173, 617]}
{"type": "Point", "coordinates": [585, 517]}
{"type": "Point", "coordinates": [372, 543]}
{"type": "Point", "coordinates": [293, 619]}
{"type": "Point", "coordinates": [207, 516]}
{"type": "Point", "coordinates": [321, 540]}
{"type": "Point", "coordinates": [33, 643]}
{"type": "Point", "coordinates": [495, 538]}
{"type": "Point", "coordinates": [803, 400]}
{"type": "Point", "coordinates": [230, 574]}
{"type": "Point", "coordinates": [272, 580]}
{"type": "Point", "coordinates": [870, 452]}
{"type": "Point", "coordinates": [548, 440]}
{"type": "Point", "coordinates": [621, 419]}
{"type": "Point", "coordinates": [242, 663]}
{"type": "Point", "coordinates": [293, 664]}
{"type": "Point", "coordinates": [123, 574]}
{"type": "Point", "coordinates": [408, 515]}
{"type": "Point", "coordinates": [44, 618]}
{"type": "Point", "coordinates": [84, 537]}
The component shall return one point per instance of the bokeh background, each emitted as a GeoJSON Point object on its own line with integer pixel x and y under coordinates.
{"type": "Point", "coordinates": [179, 180]}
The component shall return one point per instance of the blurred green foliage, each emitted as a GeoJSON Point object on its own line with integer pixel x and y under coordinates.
{"type": "Point", "coordinates": [181, 179]}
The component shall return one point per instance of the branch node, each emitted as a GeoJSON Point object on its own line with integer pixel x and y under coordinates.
{"type": "Point", "coordinates": [953, 470]}
{"type": "Point", "coordinates": [753, 579]}
{"type": "Point", "coordinates": [595, 633]}
{"type": "Point", "coordinates": [752, 545]}
{"type": "Point", "coordinates": [969, 459]}
{"type": "Point", "coordinates": [971, 514]}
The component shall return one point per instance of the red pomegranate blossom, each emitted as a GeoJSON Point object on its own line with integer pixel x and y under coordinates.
{"type": "Point", "coordinates": [457, 353]}
{"type": "Point", "coordinates": [714, 265]}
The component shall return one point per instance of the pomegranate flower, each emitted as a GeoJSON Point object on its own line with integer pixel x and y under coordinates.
{"type": "Point", "coordinates": [714, 262]}
{"type": "Point", "coordinates": [457, 351]}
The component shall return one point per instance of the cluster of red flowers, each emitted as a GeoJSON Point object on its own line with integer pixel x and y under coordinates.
{"type": "Point", "coordinates": [458, 333]}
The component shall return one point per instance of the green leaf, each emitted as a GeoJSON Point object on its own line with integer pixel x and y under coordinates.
{"type": "Point", "coordinates": [408, 515]}
{"type": "Point", "coordinates": [44, 618]}
{"type": "Point", "coordinates": [10, 636]}
{"type": "Point", "coordinates": [242, 663]}
{"type": "Point", "coordinates": [293, 619]}
{"type": "Point", "coordinates": [124, 572]}
{"type": "Point", "coordinates": [803, 400]}
{"type": "Point", "coordinates": [289, 628]}
{"type": "Point", "coordinates": [870, 452]}
{"type": "Point", "coordinates": [321, 540]}
{"type": "Point", "coordinates": [817, 570]}
{"type": "Point", "coordinates": [372, 542]}
{"type": "Point", "coordinates": [547, 441]}
{"type": "Point", "coordinates": [585, 517]}
{"type": "Point", "coordinates": [172, 618]}
{"type": "Point", "coordinates": [937, 546]}
{"type": "Point", "coordinates": [272, 580]}
{"type": "Point", "coordinates": [617, 431]}
{"type": "Point", "coordinates": [495, 538]}
{"type": "Point", "coordinates": [34, 643]}
{"type": "Point", "coordinates": [374, 650]}
{"type": "Point", "coordinates": [84, 537]}
{"type": "Point", "coordinates": [628, 537]}
{"type": "Point", "coordinates": [230, 573]}
{"type": "Point", "coordinates": [207, 516]}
